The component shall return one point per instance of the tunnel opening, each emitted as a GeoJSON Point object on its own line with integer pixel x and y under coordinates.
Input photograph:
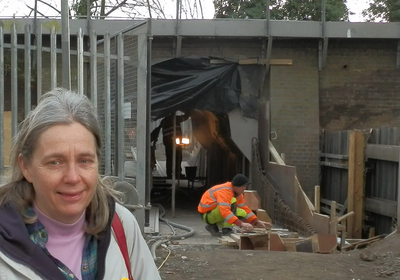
{"type": "Point", "coordinates": [211, 158]}
{"type": "Point", "coordinates": [209, 89]}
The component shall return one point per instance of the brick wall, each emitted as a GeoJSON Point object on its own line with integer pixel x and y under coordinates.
{"type": "Point", "coordinates": [294, 108]}
{"type": "Point", "coordinates": [360, 86]}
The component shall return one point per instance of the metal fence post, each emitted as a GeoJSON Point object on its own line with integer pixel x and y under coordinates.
{"type": "Point", "coordinates": [1, 99]}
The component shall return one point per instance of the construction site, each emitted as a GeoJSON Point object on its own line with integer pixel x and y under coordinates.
{"type": "Point", "coordinates": [307, 110]}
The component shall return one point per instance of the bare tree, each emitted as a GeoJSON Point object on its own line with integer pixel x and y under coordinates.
{"type": "Point", "coordinates": [130, 8]}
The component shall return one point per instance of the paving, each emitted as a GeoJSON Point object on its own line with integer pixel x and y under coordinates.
{"type": "Point", "coordinates": [186, 215]}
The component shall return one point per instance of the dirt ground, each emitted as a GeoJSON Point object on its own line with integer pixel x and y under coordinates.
{"type": "Point", "coordinates": [379, 260]}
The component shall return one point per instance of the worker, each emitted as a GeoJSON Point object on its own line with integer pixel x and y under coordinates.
{"type": "Point", "coordinates": [224, 206]}
{"type": "Point", "coordinates": [167, 125]}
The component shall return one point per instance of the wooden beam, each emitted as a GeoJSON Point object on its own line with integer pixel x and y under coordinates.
{"type": "Point", "coordinates": [317, 199]}
{"type": "Point", "coordinates": [333, 219]}
{"type": "Point", "coordinates": [252, 61]}
{"type": "Point", "coordinates": [344, 217]}
{"type": "Point", "coordinates": [355, 183]}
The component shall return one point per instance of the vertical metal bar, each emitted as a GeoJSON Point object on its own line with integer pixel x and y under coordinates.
{"type": "Point", "coordinates": [53, 56]}
{"type": "Point", "coordinates": [1, 99]}
{"type": "Point", "coordinates": [80, 60]}
{"type": "Point", "coordinates": [120, 105]}
{"type": "Point", "coordinates": [398, 195]}
{"type": "Point", "coordinates": [398, 55]}
{"type": "Point", "coordinates": [143, 131]}
{"type": "Point", "coordinates": [268, 18]}
{"type": "Point", "coordinates": [178, 37]}
{"type": "Point", "coordinates": [39, 61]}
{"type": "Point", "coordinates": [149, 177]}
{"type": "Point", "coordinates": [66, 63]}
{"type": "Point", "coordinates": [14, 81]}
{"type": "Point", "coordinates": [93, 69]}
{"type": "Point", "coordinates": [107, 104]}
{"type": "Point", "coordinates": [173, 167]}
{"type": "Point", "coordinates": [28, 65]}
{"type": "Point", "coordinates": [323, 15]}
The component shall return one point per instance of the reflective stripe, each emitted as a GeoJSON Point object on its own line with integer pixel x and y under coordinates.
{"type": "Point", "coordinates": [229, 216]}
{"type": "Point", "coordinates": [242, 204]}
{"type": "Point", "coordinates": [211, 191]}
{"type": "Point", "coordinates": [224, 204]}
{"type": "Point", "coordinates": [206, 205]}
{"type": "Point", "coordinates": [249, 215]}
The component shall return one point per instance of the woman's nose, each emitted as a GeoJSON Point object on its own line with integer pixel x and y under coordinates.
{"type": "Point", "coordinates": [72, 175]}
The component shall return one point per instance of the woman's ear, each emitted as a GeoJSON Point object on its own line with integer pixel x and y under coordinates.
{"type": "Point", "coordinates": [23, 165]}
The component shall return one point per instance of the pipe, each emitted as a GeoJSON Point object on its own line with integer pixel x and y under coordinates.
{"type": "Point", "coordinates": [165, 238]}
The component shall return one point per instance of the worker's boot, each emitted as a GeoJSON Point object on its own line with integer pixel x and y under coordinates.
{"type": "Point", "coordinates": [213, 229]}
{"type": "Point", "coordinates": [227, 231]}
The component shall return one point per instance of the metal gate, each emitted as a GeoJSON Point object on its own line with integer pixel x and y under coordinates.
{"type": "Point", "coordinates": [112, 72]}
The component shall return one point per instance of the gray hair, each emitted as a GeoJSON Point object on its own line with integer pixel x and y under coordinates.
{"type": "Point", "coordinates": [58, 106]}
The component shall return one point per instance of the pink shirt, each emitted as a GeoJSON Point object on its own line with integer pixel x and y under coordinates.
{"type": "Point", "coordinates": [65, 241]}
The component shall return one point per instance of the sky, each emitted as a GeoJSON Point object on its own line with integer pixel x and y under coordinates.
{"type": "Point", "coordinates": [18, 8]}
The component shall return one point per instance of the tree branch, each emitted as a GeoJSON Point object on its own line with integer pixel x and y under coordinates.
{"type": "Point", "coordinates": [116, 7]}
{"type": "Point", "coordinates": [36, 11]}
{"type": "Point", "coordinates": [49, 6]}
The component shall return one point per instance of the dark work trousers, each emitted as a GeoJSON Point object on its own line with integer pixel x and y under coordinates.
{"type": "Point", "coordinates": [168, 153]}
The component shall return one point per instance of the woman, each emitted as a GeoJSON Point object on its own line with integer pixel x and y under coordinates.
{"type": "Point", "coordinates": [55, 213]}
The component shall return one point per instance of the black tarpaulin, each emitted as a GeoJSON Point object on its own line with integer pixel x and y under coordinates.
{"type": "Point", "coordinates": [193, 83]}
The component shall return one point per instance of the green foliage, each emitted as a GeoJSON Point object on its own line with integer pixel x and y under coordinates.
{"type": "Point", "coordinates": [383, 10]}
{"type": "Point", "coordinates": [336, 10]}
{"type": "Point", "coordinates": [80, 8]}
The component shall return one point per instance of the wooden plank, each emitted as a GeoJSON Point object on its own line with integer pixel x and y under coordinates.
{"type": "Point", "coordinates": [343, 208]}
{"type": "Point", "coordinates": [252, 242]}
{"type": "Point", "coordinates": [324, 243]}
{"type": "Point", "coordinates": [346, 216]}
{"type": "Point", "coordinates": [290, 246]}
{"type": "Point", "coordinates": [253, 200]}
{"type": "Point", "coordinates": [371, 232]}
{"type": "Point", "coordinates": [226, 240]}
{"type": "Point", "coordinates": [317, 199]}
{"type": "Point", "coordinates": [253, 61]}
{"type": "Point", "coordinates": [263, 215]}
{"type": "Point", "coordinates": [245, 244]}
{"type": "Point", "coordinates": [301, 203]}
{"type": "Point", "coordinates": [321, 223]}
{"type": "Point", "coordinates": [333, 219]}
{"type": "Point", "coordinates": [355, 183]}
{"type": "Point", "coordinates": [265, 61]}
{"type": "Point", "coordinates": [364, 242]}
{"type": "Point", "coordinates": [235, 237]}
{"type": "Point", "coordinates": [275, 243]}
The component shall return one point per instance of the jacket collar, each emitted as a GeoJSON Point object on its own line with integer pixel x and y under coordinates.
{"type": "Point", "coordinates": [16, 244]}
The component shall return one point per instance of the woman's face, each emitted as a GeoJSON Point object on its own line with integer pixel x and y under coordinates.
{"type": "Point", "coordinates": [63, 170]}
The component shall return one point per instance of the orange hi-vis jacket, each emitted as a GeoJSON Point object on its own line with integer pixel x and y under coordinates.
{"type": "Point", "coordinates": [221, 195]}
